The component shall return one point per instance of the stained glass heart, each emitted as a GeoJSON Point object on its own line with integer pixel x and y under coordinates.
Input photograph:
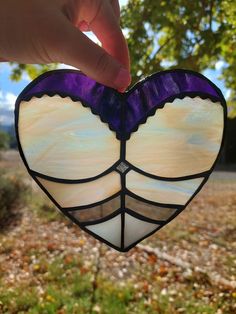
{"type": "Point", "coordinates": [121, 166]}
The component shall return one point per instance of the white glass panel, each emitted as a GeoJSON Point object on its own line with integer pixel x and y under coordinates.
{"type": "Point", "coordinates": [109, 230]}
{"type": "Point", "coordinates": [148, 210]}
{"type": "Point", "coordinates": [136, 229]}
{"type": "Point", "coordinates": [181, 139]}
{"type": "Point", "coordinates": [63, 139]}
{"type": "Point", "coordinates": [72, 195]}
{"type": "Point", "coordinates": [167, 192]}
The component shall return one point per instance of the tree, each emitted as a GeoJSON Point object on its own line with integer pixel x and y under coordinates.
{"type": "Point", "coordinates": [181, 33]}
{"type": "Point", "coordinates": [33, 70]}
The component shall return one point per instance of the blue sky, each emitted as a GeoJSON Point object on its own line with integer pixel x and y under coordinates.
{"type": "Point", "coordinates": [9, 90]}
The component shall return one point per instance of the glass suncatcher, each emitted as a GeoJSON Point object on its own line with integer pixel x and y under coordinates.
{"type": "Point", "coordinates": [121, 166]}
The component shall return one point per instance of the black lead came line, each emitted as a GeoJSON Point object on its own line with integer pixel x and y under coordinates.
{"type": "Point", "coordinates": [187, 177]}
{"type": "Point", "coordinates": [122, 175]}
{"type": "Point", "coordinates": [74, 181]}
{"type": "Point", "coordinates": [82, 207]}
{"type": "Point", "coordinates": [114, 168]}
{"type": "Point", "coordinates": [102, 219]}
{"type": "Point", "coordinates": [165, 205]}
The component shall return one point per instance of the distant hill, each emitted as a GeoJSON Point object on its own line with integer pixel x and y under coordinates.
{"type": "Point", "coordinates": [7, 124]}
{"type": "Point", "coordinates": [6, 116]}
{"type": "Point", "coordinates": [10, 129]}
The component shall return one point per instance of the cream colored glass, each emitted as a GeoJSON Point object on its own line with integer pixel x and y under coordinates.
{"type": "Point", "coordinates": [72, 195]}
{"type": "Point", "coordinates": [181, 139]}
{"type": "Point", "coordinates": [62, 139]}
{"type": "Point", "coordinates": [136, 229]}
{"type": "Point", "coordinates": [166, 192]}
{"type": "Point", "coordinates": [109, 230]}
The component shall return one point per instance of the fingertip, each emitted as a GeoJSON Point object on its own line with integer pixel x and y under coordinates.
{"type": "Point", "coordinates": [79, 51]}
{"type": "Point", "coordinates": [121, 90]}
{"type": "Point", "coordinates": [108, 31]}
{"type": "Point", "coordinates": [122, 80]}
{"type": "Point", "coordinates": [83, 26]}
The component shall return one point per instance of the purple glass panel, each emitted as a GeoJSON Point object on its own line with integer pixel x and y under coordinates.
{"type": "Point", "coordinates": [140, 102]}
{"type": "Point", "coordinates": [102, 100]}
{"type": "Point", "coordinates": [155, 91]}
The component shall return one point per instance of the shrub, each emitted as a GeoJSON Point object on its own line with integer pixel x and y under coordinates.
{"type": "Point", "coordinates": [46, 210]}
{"type": "Point", "coordinates": [13, 192]}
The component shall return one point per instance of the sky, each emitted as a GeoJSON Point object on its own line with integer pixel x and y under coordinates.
{"type": "Point", "coordinates": [9, 90]}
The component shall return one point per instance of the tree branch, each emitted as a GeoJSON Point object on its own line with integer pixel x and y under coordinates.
{"type": "Point", "coordinates": [211, 14]}
{"type": "Point", "coordinates": [215, 278]}
{"type": "Point", "coordinates": [162, 46]}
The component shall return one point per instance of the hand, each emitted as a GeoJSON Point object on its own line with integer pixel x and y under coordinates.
{"type": "Point", "coordinates": [43, 31]}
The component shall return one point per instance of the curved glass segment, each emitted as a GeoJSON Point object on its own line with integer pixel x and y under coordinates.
{"type": "Point", "coordinates": [97, 212]}
{"type": "Point", "coordinates": [81, 194]}
{"type": "Point", "coordinates": [181, 139]}
{"type": "Point", "coordinates": [120, 166]}
{"type": "Point", "coordinates": [148, 210]}
{"type": "Point", "coordinates": [165, 192]}
{"type": "Point", "coordinates": [63, 139]}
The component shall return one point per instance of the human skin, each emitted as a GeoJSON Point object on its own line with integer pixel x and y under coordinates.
{"type": "Point", "coordinates": [43, 31]}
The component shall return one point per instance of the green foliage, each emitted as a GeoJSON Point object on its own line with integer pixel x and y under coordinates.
{"type": "Point", "coordinates": [114, 300]}
{"type": "Point", "coordinates": [45, 210]}
{"type": "Point", "coordinates": [184, 34]}
{"type": "Point", "coordinates": [231, 108]}
{"type": "Point", "coordinates": [65, 289]}
{"type": "Point", "coordinates": [12, 192]}
{"type": "Point", "coordinates": [162, 34]}
{"type": "Point", "coordinates": [33, 70]}
{"type": "Point", "coordinates": [5, 140]}
{"type": "Point", "coordinates": [22, 300]}
{"type": "Point", "coordinates": [12, 135]}
{"type": "Point", "coordinates": [72, 294]}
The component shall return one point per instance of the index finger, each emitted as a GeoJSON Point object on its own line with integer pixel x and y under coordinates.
{"type": "Point", "coordinates": [105, 26]}
{"type": "Point", "coordinates": [84, 26]}
{"type": "Point", "coordinates": [116, 8]}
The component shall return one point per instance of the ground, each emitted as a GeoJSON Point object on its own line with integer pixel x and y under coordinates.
{"type": "Point", "coordinates": [48, 265]}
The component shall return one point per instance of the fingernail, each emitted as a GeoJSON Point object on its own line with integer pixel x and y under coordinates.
{"type": "Point", "coordinates": [122, 80]}
{"type": "Point", "coordinates": [83, 26]}
{"type": "Point", "coordinates": [122, 90]}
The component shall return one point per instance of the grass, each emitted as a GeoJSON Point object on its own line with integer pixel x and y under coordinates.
{"type": "Point", "coordinates": [45, 210]}
{"type": "Point", "coordinates": [61, 282]}
{"type": "Point", "coordinates": [62, 287]}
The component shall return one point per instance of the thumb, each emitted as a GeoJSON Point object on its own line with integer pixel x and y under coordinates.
{"type": "Point", "coordinates": [74, 48]}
